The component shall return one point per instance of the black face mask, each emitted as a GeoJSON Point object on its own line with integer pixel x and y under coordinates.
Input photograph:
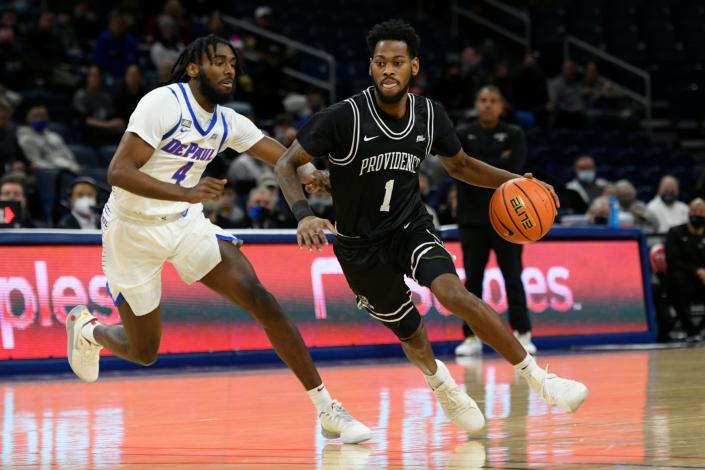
{"type": "Point", "coordinates": [600, 220]}
{"type": "Point", "coordinates": [697, 221]}
{"type": "Point", "coordinates": [669, 197]}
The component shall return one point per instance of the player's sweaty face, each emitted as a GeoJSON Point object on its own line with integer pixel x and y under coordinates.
{"type": "Point", "coordinates": [391, 69]}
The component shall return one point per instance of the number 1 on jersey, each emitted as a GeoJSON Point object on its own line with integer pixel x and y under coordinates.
{"type": "Point", "coordinates": [180, 174]}
{"type": "Point", "coordinates": [388, 188]}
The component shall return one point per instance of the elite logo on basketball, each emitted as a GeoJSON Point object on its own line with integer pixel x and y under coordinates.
{"type": "Point", "coordinates": [520, 210]}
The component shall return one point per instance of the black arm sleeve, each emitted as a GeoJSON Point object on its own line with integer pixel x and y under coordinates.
{"type": "Point", "coordinates": [445, 140]}
{"type": "Point", "coordinates": [329, 131]}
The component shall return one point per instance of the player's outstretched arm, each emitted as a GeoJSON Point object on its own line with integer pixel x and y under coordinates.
{"type": "Point", "coordinates": [310, 229]}
{"type": "Point", "coordinates": [132, 154]}
{"type": "Point", "coordinates": [270, 151]}
{"type": "Point", "coordinates": [470, 170]}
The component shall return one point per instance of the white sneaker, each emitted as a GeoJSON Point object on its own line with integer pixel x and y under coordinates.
{"type": "Point", "coordinates": [337, 422]}
{"type": "Point", "coordinates": [525, 340]}
{"type": "Point", "coordinates": [457, 405]}
{"type": "Point", "coordinates": [468, 456]}
{"type": "Point", "coordinates": [566, 394]}
{"type": "Point", "coordinates": [472, 346]}
{"type": "Point", "coordinates": [83, 356]}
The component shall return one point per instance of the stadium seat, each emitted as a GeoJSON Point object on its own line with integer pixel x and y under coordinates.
{"type": "Point", "coordinates": [86, 156]}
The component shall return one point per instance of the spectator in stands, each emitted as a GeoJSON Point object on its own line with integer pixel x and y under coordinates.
{"type": "Point", "coordinates": [452, 89]}
{"type": "Point", "coordinates": [115, 49]}
{"type": "Point", "coordinates": [530, 88]}
{"type": "Point", "coordinates": [166, 44]}
{"type": "Point", "coordinates": [596, 92]}
{"type": "Point", "coordinates": [286, 218]}
{"type": "Point", "coordinates": [128, 93]}
{"type": "Point", "coordinates": [666, 207]}
{"type": "Point", "coordinates": [9, 150]}
{"type": "Point", "coordinates": [448, 210]}
{"type": "Point", "coordinates": [46, 52]}
{"type": "Point", "coordinates": [262, 211]}
{"type": "Point", "coordinates": [67, 34]}
{"type": "Point", "coordinates": [101, 125]}
{"type": "Point", "coordinates": [284, 130]}
{"type": "Point", "coordinates": [584, 188]}
{"type": "Point", "coordinates": [263, 16]}
{"type": "Point", "coordinates": [174, 11]}
{"type": "Point", "coordinates": [628, 204]}
{"type": "Point", "coordinates": [83, 200]}
{"type": "Point", "coordinates": [247, 168]}
{"type": "Point", "coordinates": [474, 73]}
{"type": "Point", "coordinates": [685, 255]}
{"type": "Point", "coordinates": [164, 71]}
{"type": "Point", "coordinates": [13, 64]}
{"type": "Point", "coordinates": [228, 213]}
{"type": "Point", "coordinates": [426, 198]}
{"type": "Point", "coordinates": [12, 188]}
{"type": "Point", "coordinates": [599, 211]}
{"type": "Point", "coordinates": [566, 103]}
{"type": "Point", "coordinates": [8, 19]}
{"type": "Point", "coordinates": [41, 147]}
{"type": "Point", "coordinates": [86, 24]}
{"type": "Point", "coordinates": [269, 81]}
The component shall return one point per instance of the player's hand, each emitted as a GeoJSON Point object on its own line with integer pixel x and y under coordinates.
{"type": "Point", "coordinates": [547, 186]}
{"type": "Point", "coordinates": [310, 232]}
{"type": "Point", "coordinates": [206, 189]}
{"type": "Point", "coordinates": [320, 182]}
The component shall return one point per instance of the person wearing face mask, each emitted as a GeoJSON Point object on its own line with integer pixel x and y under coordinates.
{"type": "Point", "coordinates": [685, 256]}
{"type": "Point", "coordinates": [629, 205]}
{"type": "Point", "coordinates": [42, 147]}
{"type": "Point", "coordinates": [584, 188]}
{"type": "Point", "coordinates": [83, 201]}
{"type": "Point", "coordinates": [666, 207]}
{"type": "Point", "coordinates": [12, 188]}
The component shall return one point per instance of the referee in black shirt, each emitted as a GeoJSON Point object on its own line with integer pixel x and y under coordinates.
{"type": "Point", "coordinates": [504, 146]}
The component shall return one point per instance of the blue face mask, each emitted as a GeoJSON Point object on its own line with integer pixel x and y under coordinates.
{"type": "Point", "coordinates": [39, 126]}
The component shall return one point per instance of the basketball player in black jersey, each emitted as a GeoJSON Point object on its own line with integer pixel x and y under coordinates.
{"type": "Point", "coordinates": [374, 142]}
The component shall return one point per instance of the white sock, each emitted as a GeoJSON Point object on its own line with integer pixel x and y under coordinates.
{"type": "Point", "coordinates": [320, 397]}
{"type": "Point", "coordinates": [87, 331]}
{"type": "Point", "coordinates": [441, 375]}
{"type": "Point", "coordinates": [527, 367]}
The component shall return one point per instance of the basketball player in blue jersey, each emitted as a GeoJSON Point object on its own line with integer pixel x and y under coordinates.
{"type": "Point", "coordinates": [374, 143]}
{"type": "Point", "coordinates": [154, 214]}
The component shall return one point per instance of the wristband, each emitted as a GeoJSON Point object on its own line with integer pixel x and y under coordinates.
{"type": "Point", "coordinates": [301, 209]}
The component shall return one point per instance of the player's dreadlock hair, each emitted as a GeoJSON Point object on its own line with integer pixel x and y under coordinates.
{"type": "Point", "coordinates": [394, 30]}
{"type": "Point", "coordinates": [194, 53]}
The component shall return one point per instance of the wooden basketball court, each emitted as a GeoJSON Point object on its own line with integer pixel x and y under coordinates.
{"type": "Point", "coordinates": [645, 409]}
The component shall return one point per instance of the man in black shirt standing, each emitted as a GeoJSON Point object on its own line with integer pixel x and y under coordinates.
{"type": "Point", "coordinates": [685, 255]}
{"type": "Point", "coordinates": [374, 142]}
{"type": "Point", "coordinates": [503, 146]}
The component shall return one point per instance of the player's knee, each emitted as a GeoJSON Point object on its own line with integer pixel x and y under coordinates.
{"type": "Point", "coordinates": [454, 297]}
{"type": "Point", "coordinates": [408, 327]}
{"type": "Point", "coordinates": [264, 306]}
{"type": "Point", "coordinates": [146, 355]}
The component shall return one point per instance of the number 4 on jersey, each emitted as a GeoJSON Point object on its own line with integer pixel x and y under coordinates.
{"type": "Point", "coordinates": [180, 174]}
{"type": "Point", "coordinates": [388, 188]}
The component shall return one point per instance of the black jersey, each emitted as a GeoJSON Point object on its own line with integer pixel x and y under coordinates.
{"type": "Point", "coordinates": [373, 160]}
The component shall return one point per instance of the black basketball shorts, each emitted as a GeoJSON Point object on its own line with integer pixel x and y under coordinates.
{"type": "Point", "coordinates": [376, 274]}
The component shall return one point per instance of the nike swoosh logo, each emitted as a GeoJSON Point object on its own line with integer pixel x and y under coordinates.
{"type": "Point", "coordinates": [320, 388]}
{"type": "Point", "coordinates": [367, 139]}
{"type": "Point", "coordinates": [405, 226]}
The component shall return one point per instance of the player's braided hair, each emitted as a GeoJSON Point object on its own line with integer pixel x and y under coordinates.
{"type": "Point", "coordinates": [194, 53]}
{"type": "Point", "coordinates": [395, 30]}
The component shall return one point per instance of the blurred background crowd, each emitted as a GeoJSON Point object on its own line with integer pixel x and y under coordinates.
{"type": "Point", "coordinates": [72, 72]}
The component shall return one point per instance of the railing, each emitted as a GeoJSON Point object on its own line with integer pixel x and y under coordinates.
{"type": "Point", "coordinates": [328, 85]}
{"type": "Point", "coordinates": [523, 38]}
{"type": "Point", "coordinates": [643, 99]}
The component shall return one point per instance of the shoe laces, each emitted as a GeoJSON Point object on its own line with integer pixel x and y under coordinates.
{"type": "Point", "coordinates": [337, 414]}
{"type": "Point", "coordinates": [543, 392]}
{"type": "Point", "coordinates": [451, 399]}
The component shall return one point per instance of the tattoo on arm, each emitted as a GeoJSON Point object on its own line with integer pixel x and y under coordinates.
{"type": "Point", "coordinates": [285, 170]}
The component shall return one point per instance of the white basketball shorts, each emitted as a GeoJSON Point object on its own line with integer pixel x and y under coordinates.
{"type": "Point", "coordinates": [135, 250]}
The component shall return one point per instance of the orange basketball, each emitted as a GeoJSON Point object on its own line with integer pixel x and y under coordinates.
{"type": "Point", "coordinates": [522, 210]}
